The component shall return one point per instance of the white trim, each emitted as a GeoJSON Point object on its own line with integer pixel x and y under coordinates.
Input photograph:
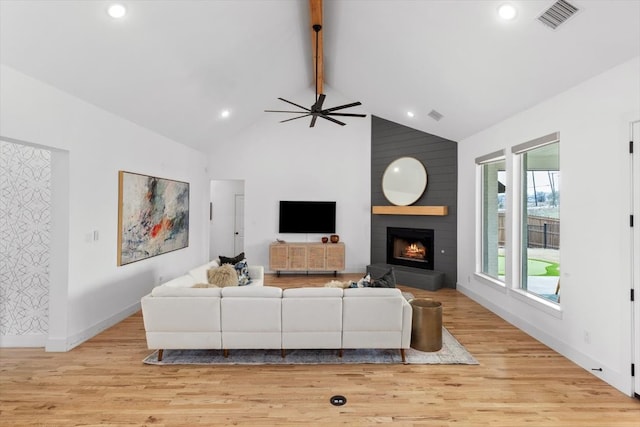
{"type": "Point", "coordinates": [35, 340]}
{"type": "Point", "coordinates": [481, 162]}
{"type": "Point", "coordinates": [617, 379]}
{"type": "Point", "coordinates": [62, 344]}
{"type": "Point", "coordinates": [634, 166]}
{"type": "Point", "coordinates": [492, 282]}
{"type": "Point", "coordinates": [537, 302]}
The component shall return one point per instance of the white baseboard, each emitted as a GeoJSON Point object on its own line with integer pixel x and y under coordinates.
{"type": "Point", "coordinates": [614, 376]}
{"type": "Point", "coordinates": [66, 344]}
{"type": "Point", "coordinates": [36, 340]}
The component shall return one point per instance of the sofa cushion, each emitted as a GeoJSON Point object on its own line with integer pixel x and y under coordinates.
{"type": "Point", "coordinates": [173, 291]}
{"type": "Point", "coordinates": [311, 313]}
{"type": "Point", "coordinates": [251, 317]}
{"type": "Point", "coordinates": [223, 276]}
{"type": "Point", "coordinates": [252, 292]}
{"type": "Point", "coordinates": [367, 313]}
{"type": "Point", "coordinates": [312, 293]}
{"type": "Point", "coordinates": [371, 292]}
{"type": "Point", "coordinates": [199, 273]}
{"type": "Point", "coordinates": [185, 281]}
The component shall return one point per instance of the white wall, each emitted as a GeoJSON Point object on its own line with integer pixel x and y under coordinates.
{"type": "Point", "coordinates": [98, 143]}
{"type": "Point", "coordinates": [290, 161]}
{"type": "Point", "coordinates": [593, 120]}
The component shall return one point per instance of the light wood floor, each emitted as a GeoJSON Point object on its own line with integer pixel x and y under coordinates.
{"type": "Point", "coordinates": [519, 382]}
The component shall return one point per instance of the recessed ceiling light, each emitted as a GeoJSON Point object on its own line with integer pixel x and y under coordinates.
{"type": "Point", "coordinates": [410, 114]}
{"type": "Point", "coordinates": [225, 113]}
{"type": "Point", "coordinates": [507, 12]}
{"type": "Point", "coordinates": [117, 11]}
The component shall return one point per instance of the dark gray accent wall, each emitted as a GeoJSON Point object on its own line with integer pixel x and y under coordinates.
{"type": "Point", "coordinates": [390, 141]}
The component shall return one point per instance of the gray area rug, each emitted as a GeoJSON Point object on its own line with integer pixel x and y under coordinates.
{"type": "Point", "coordinates": [452, 353]}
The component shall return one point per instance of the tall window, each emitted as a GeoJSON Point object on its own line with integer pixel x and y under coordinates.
{"type": "Point", "coordinates": [493, 204]}
{"type": "Point", "coordinates": [540, 216]}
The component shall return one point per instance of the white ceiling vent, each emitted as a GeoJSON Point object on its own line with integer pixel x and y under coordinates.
{"type": "Point", "coordinates": [435, 115]}
{"type": "Point", "coordinates": [558, 13]}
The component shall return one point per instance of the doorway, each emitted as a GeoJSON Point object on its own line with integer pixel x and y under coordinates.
{"type": "Point", "coordinates": [635, 254]}
{"type": "Point", "coordinates": [226, 222]}
{"type": "Point", "coordinates": [239, 224]}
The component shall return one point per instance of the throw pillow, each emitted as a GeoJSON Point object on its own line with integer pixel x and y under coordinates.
{"type": "Point", "coordinates": [242, 270]}
{"type": "Point", "coordinates": [388, 280]}
{"type": "Point", "coordinates": [223, 276]}
{"type": "Point", "coordinates": [204, 285]}
{"type": "Point", "coordinates": [231, 260]}
{"type": "Point", "coordinates": [365, 282]}
{"type": "Point", "coordinates": [337, 284]}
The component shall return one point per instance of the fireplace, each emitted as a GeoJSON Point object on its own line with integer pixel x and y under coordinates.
{"type": "Point", "coordinates": [411, 247]}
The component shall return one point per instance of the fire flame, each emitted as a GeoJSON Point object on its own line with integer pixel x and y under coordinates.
{"type": "Point", "coordinates": [414, 251]}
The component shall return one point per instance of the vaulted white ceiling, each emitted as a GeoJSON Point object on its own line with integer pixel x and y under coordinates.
{"type": "Point", "coordinates": [173, 66]}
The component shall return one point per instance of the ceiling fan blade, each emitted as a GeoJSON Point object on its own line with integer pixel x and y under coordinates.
{"type": "Point", "coordinates": [331, 119]}
{"type": "Point", "coordinates": [346, 114]}
{"type": "Point", "coordinates": [284, 111]}
{"type": "Point", "coordinates": [293, 103]}
{"type": "Point", "coordinates": [313, 120]}
{"type": "Point", "coordinates": [340, 107]}
{"type": "Point", "coordinates": [299, 117]}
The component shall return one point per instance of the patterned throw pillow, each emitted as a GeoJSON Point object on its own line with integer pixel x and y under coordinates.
{"type": "Point", "coordinates": [225, 275]}
{"type": "Point", "coordinates": [242, 269]}
{"type": "Point", "coordinates": [231, 260]}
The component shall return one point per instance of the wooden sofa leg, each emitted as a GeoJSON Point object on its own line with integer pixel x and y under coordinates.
{"type": "Point", "coordinates": [283, 353]}
{"type": "Point", "coordinates": [225, 352]}
{"type": "Point", "coordinates": [160, 355]}
{"type": "Point", "coordinates": [404, 357]}
{"type": "Point", "coordinates": [340, 353]}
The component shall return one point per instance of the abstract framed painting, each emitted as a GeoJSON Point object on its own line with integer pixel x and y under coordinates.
{"type": "Point", "coordinates": [153, 216]}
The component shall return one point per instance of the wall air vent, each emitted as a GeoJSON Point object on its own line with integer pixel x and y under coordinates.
{"type": "Point", "coordinates": [558, 13]}
{"type": "Point", "coordinates": [435, 115]}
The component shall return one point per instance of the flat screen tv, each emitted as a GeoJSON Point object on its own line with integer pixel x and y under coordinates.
{"type": "Point", "coordinates": [307, 217]}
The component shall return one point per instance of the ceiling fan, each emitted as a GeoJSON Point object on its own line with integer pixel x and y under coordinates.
{"type": "Point", "coordinates": [316, 109]}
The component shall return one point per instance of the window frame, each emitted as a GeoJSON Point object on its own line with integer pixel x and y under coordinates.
{"type": "Point", "coordinates": [481, 162]}
{"type": "Point", "coordinates": [518, 228]}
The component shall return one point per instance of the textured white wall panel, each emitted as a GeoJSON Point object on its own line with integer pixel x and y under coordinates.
{"type": "Point", "coordinates": [25, 221]}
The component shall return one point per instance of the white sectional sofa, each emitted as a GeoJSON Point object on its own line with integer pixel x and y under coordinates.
{"type": "Point", "coordinates": [265, 317]}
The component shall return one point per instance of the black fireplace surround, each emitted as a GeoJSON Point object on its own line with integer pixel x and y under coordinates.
{"type": "Point", "coordinates": [411, 247]}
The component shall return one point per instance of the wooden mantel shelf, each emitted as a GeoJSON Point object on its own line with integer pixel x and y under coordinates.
{"type": "Point", "coordinates": [410, 210]}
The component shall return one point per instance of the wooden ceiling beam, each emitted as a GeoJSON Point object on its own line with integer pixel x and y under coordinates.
{"type": "Point", "coordinates": [315, 7]}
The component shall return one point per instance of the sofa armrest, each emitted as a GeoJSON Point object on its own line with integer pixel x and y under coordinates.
{"type": "Point", "coordinates": [407, 318]}
{"type": "Point", "coordinates": [256, 272]}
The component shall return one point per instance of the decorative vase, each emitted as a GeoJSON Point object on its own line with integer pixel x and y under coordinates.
{"type": "Point", "coordinates": [335, 238]}
{"type": "Point", "coordinates": [325, 239]}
